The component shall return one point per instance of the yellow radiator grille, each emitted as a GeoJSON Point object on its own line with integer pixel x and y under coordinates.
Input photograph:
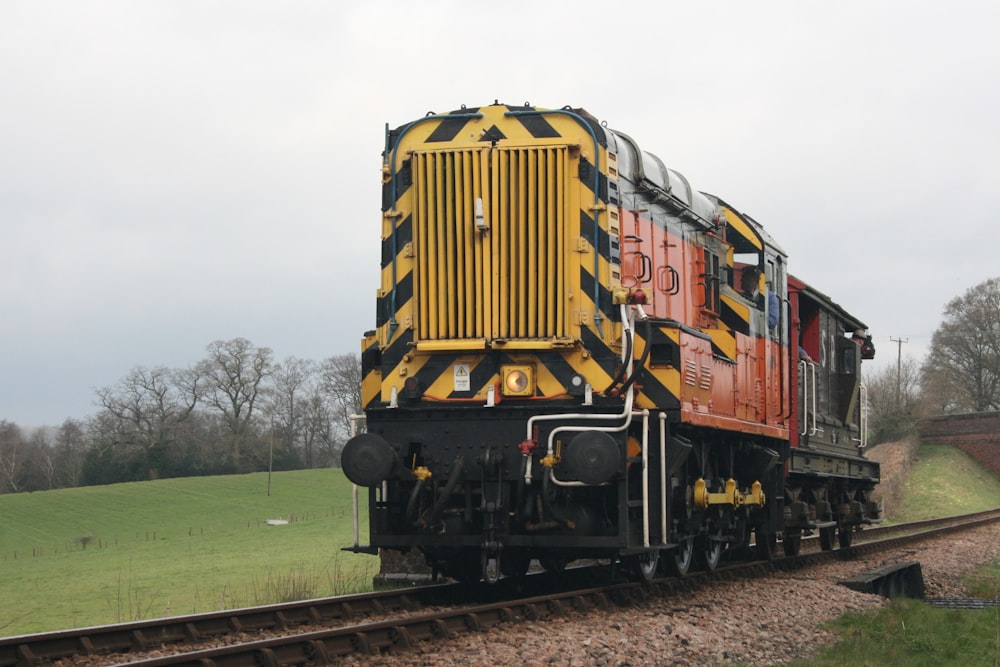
{"type": "Point", "coordinates": [504, 282]}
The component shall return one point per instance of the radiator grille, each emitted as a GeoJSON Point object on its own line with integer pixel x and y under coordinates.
{"type": "Point", "coordinates": [691, 372]}
{"type": "Point", "coordinates": [504, 283]}
{"type": "Point", "coordinates": [706, 377]}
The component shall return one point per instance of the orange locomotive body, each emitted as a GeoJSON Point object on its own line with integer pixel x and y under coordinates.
{"type": "Point", "coordinates": [576, 354]}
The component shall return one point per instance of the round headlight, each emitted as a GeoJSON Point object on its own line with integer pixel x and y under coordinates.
{"type": "Point", "coordinates": [517, 382]}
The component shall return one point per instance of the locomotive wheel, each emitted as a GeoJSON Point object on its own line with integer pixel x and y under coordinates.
{"type": "Point", "coordinates": [644, 565]}
{"type": "Point", "coordinates": [709, 551]}
{"type": "Point", "coordinates": [680, 558]}
{"type": "Point", "coordinates": [467, 568]}
{"type": "Point", "coordinates": [845, 535]}
{"type": "Point", "coordinates": [466, 572]}
{"type": "Point", "coordinates": [766, 544]}
{"type": "Point", "coordinates": [514, 564]}
{"type": "Point", "coordinates": [792, 541]}
{"type": "Point", "coordinates": [552, 564]}
{"type": "Point", "coordinates": [826, 538]}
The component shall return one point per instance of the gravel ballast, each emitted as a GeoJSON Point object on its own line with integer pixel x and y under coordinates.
{"type": "Point", "coordinates": [766, 621]}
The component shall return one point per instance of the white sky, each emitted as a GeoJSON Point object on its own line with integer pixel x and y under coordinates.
{"type": "Point", "coordinates": [173, 173]}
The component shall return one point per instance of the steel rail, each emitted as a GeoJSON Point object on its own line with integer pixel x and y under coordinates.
{"type": "Point", "coordinates": [25, 650]}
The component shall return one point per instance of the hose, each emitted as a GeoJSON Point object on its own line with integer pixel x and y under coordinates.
{"type": "Point", "coordinates": [431, 517]}
{"type": "Point", "coordinates": [519, 494]}
{"type": "Point", "coordinates": [645, 355]}
{"type": "Point", "coordinates": [547, 504]}
{"type": "Point", "coordinates": [624, 365]}
{"type": "Point", "coordinates": [411, 506]}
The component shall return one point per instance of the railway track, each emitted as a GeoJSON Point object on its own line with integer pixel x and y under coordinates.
{"type": "Point", "coordinates": [320, 631]}
{"type": "Point", "coordinates": [963, 603]}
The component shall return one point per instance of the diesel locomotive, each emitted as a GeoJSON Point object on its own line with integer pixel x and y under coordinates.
{"type": "Point", "coordinates": [577, 355]}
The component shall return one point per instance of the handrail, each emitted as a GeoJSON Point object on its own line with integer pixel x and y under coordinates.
{"type": "Point", "coordinates": [864, 417]}
{"type": "Point", "coordinates": [807, 371]}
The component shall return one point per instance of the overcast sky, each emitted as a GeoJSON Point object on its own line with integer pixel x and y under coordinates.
{"type": "Point", "coordinates": [174, 173]}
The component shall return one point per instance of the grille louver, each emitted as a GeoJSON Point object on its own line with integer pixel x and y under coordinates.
{"type": "Point", "coordinates": [507, 282]}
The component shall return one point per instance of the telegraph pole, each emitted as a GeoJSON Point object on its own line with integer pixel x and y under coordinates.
{"type": "Point", "coordinates": [899, 364]}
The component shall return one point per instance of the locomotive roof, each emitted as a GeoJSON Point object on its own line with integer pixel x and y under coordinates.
{"type": "Point", "coordinates": [850, 321]}
{"type": "Point", "coordinates": [756, 227]}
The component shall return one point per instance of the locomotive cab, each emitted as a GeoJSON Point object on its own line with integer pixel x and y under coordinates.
{"type": "Point", "coordinates": [829, 481]}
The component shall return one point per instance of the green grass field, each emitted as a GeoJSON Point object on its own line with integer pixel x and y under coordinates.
{"type": "Point", "coordinates": [97, 555]}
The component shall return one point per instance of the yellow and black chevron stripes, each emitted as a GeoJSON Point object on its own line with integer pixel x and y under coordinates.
{"type": "Point", "coordinates": [737, 315]}
{"type": "Point", "coordinates": [462, 377]}
{"type": "Point", "coordinates": [480, 238]}
{"type": "Point", "coordinates": [735, 318]}
{"type": "Point", "coordinates": [371, 370]}
{"type": "Point", "coordinates": [497, 248]}
{"type": "Point", "coordinates": [490, 124]}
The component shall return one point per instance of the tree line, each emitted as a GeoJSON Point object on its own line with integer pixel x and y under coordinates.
{"type": "Point", "coordinates": [960, 373]}
{"type": "Point", "coordinates": [237, 410]}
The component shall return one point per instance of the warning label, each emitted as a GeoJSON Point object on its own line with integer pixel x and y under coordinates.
{"type": "Point", "coordinates": [462, 381]}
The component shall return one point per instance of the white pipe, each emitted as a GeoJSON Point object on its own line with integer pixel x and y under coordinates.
{"type": "Point", "coordinates": [626, 414]}
{"type": "Point", "coordinates": [606, 429]}
{"type": "Point", "coordinates": [663, 477]}
{"type": "Point", "coordinates": [355, 419]}
{"type": "Point", "coordinates": [354, 497]}
{"type": "Point", "coordinates": [629, 318]}
{"type": "Point", "coordinates": [645, 478]}
{"type": "Point", "coordinates": [582, 415]}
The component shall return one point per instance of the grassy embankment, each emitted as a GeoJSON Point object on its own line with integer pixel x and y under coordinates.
{"type": "Point", "coordinates": [942, 481]}
{"type": "Point", "coordinates": [97, 555]}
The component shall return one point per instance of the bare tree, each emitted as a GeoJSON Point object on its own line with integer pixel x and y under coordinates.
{"type": "Point", "coordinates": [71, 444]}
{"type": "Point", "coordinates": [342, 382]}
{"type": "Point", "coordinates": [26, 459]}
{"type": "Point", "coordinates": [234, 373]}
{"type": "Point", "coordinates": [12, 455]}
{"type": "Point", "coordinates": [42, 461]}
{"type": "Point", "coordinates": [318, 429]}
{"type": "Point", "coordinates": [963, 363]}
{"type": "Point", "coordinates": [290, 383]}
{"type": "Point", "coordinates": [893, 401]}
{"type": "Point", "coordinates": [191, 385]}
{"type": "Point", "coordinates": [151, 409]}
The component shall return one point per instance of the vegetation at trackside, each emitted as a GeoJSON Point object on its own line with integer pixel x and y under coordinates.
{"type": "Point", "coordinates": [909, 632]}
{"type": "Point", "coordinates": [942, 481]}
{"type": "Point", "coordinates": [107, 554]}
{"type": "Point", "coordinates": [984, 583]}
